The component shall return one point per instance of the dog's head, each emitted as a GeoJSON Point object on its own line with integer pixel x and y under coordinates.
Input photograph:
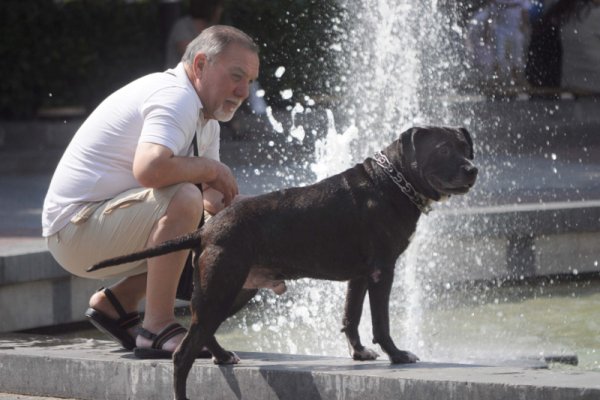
{"type": "Point", "coordinates": [437, 161]}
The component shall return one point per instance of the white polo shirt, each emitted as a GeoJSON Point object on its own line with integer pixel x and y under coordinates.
{"type": "Point", "coordinates": [161, 108]}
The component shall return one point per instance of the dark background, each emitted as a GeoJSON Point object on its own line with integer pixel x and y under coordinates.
{"type": "Point", "coordinates": [75, 53]}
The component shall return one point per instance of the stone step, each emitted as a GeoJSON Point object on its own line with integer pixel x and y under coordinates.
{"type": "Point", "coordinates": [90, 369]}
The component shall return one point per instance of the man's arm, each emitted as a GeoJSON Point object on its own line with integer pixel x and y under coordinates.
{"type": "Point", "coordinates": [156, 166]}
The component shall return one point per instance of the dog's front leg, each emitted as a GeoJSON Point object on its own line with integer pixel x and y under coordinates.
{"type": "Point", "coordinates": [355, 297]}
{"type": "Point", "coordinates": [379, 298]}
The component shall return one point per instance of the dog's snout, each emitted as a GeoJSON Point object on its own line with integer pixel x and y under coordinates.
{"type": "Point", "coordinates": [470, 170]}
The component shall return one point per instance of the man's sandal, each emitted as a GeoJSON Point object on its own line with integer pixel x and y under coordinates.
{"type": "Point", "coordinates": [155, 351]}
{"type": "Point", "coordinates": [158, 340]}
{"type": "Point", "coordinates": [116, 329]}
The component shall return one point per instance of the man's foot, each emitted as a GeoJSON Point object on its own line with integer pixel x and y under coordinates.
{"type": "Point", "coordinates": [161, 344]}
{"type": "Point", "coordinates": [108, 315]}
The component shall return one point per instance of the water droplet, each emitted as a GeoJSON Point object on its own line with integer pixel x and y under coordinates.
{"type": "Point", "coordinates": [257, 326]}
{"type": "Point", "coordinates": [286, 94]}
{"type": "Point", "coordinates": [297, 132]}
{"type": "Point", "coordinates": [279, 72]}
{"type": "Point", "coordinates": [277, 126]}
{"type": "Point", "coordinates": [336, 47]}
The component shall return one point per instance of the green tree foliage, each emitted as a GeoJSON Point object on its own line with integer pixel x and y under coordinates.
{"type": "Point", "coordinates": [72, 53]}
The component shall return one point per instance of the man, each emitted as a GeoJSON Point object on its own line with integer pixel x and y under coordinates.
{"type": "Point", "coordinates": [128, 180]}
{"type": "Point", "coordinates": [580, 39]}
{"type": "Point", "coordinates": [511, 35]}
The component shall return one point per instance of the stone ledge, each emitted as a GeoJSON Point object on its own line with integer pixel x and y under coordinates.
{"type": "Point", "coordinates": [515, 242]}
{"type": "Point", "coordinates": [38, 135]}
{"type": "Point", "coordinates": [21, 268]}
{"type": "Point", "coordinates": [97, 369]}
{"type": "Point", "coordinates": [522, 219]}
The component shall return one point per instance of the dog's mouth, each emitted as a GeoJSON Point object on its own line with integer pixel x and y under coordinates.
{"type": "Point", "coordinates": [450, 188]}
{"type": "Point", "coordinates": [458, 182]}
{"type": "Point", "coordinates": [457, 189]}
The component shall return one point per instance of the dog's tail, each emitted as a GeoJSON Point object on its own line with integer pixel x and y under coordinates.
{"type": "Point", "coordinates": [183, 242]}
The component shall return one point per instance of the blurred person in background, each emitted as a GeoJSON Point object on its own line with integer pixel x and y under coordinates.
{"type": "Point", "coordinates": [511, 33]}
{"type": "Point", "coordinates": [580, 40]}
{"type": "Point", "coordinates": [548, 55]}
{"type": "Point", "coordinates": [203, 13]}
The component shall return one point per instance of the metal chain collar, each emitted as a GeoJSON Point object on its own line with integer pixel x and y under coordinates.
{"type": "Point", "coordinates": [418, 199]}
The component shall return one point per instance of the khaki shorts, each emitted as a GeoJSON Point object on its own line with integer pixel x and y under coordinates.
{"type": "Point", "coordinates": [108, 229]}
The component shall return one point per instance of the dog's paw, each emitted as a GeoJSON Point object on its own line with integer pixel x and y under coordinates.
{"type": "Point", "coordinates": [232, 359]}
{"type": "Point", "coordinates": [403, 357]}
{"type": "Point", "coordinates": [364, 354]}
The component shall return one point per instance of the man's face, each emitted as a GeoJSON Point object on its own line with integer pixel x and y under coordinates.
{"type": "Point", "coordinates": [225, 82]}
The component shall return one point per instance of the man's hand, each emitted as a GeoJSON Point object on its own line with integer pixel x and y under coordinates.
{"type": "Point", "coordinates": [224, 183]}
{"type": "Point", "coordinates": [213, 200]}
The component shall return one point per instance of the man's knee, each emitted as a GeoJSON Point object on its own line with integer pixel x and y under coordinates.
{"type": "Point", "coordinates": [187, 202]}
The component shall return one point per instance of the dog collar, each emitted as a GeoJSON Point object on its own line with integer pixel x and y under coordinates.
{"type": "Point", "coordinates": [418, 199]}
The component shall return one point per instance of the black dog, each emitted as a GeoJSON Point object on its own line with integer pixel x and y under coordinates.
{"type": "Point", "coordinates": [350, 227]}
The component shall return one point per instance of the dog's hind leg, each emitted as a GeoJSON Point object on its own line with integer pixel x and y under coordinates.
{"type": "Point", "coordinates": [183, 359]}
{"type": "Point", "coordinates": [220, 278]}
{"type": "Point", "coordinates": [355, 296]}
{"type": "Point", "coordinates": [197, 338]}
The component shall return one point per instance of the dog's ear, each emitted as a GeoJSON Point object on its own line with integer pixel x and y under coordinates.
{"type": "Point", "coordinates": [408, 146]}
{"type": "Point", "coordinates": [467, 136]}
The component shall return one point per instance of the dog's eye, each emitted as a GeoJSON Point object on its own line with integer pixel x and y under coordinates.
{"type": "Point", "coordinates": [444, 150]}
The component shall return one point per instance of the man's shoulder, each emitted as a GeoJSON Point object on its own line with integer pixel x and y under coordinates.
{"type": "Point", "coordinates": [155, 84]}
{"type": "Point", "coordinates": [174, 95]}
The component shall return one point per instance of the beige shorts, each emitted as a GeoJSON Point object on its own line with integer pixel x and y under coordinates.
{"type": "Point", "coordinates": [108, 229]}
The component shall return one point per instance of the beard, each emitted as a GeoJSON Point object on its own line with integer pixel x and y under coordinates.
{"type": "Point", "coordinates": [225, 116]}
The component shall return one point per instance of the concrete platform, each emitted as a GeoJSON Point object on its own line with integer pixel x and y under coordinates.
{"type": "Point", "coordinates": [92, 369]}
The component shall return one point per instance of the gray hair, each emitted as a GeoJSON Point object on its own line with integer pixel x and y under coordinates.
{"type": "Point", "coordinates": [214, 40]}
